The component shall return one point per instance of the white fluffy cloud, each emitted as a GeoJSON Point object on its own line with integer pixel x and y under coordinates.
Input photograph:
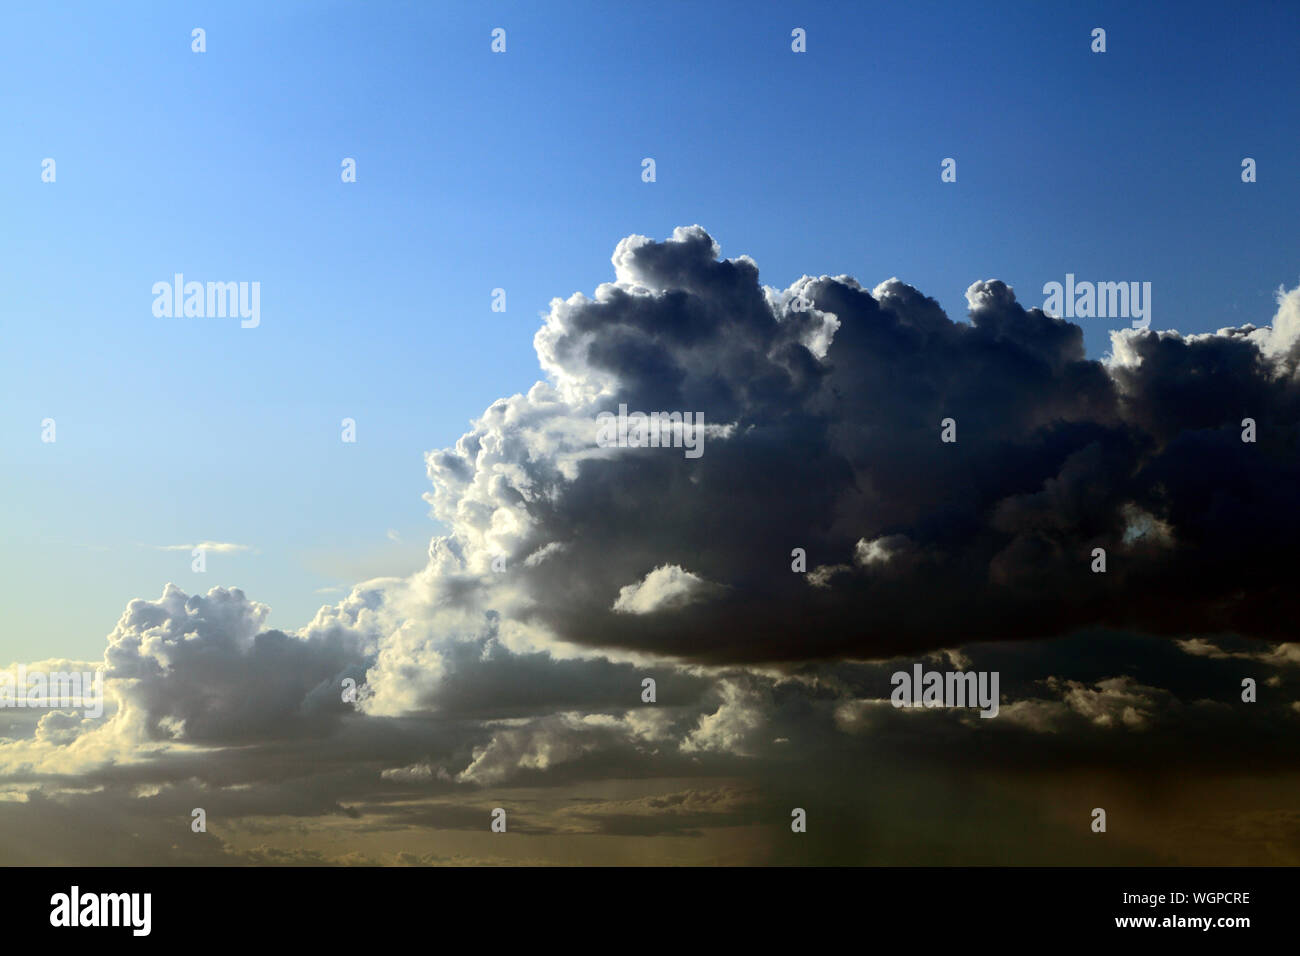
{"type": "Point", "coordinates": [666, 588]}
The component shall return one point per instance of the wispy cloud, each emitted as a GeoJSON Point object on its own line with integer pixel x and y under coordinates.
{"type": "Point", "coordinates": [217, 547]}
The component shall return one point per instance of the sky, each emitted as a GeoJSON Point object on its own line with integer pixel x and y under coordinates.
{"type": "Point", "coordinates": [523, 171]}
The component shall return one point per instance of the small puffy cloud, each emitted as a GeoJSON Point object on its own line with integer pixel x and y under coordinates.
{"type": "Point", "coordinates": [1113, 703]}
{"type": "Point", "coordinates": [666, 588]}
{"type": "Point", "coordinates": [739, 720]}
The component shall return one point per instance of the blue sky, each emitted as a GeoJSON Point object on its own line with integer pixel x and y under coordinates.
{"type": "Point", "coordinates": [522, 171]}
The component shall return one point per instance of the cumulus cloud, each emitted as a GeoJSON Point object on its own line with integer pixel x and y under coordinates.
{"type": "Point", "coordinates": [667, 587]}
{"type": "Point", "coordinates": [834, 414]}
{"type": "Point", "coordinates": [205, 666]}
{"type": "Point", "coordinates": [416, 773]}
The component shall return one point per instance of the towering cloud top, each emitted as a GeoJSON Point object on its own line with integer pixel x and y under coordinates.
{"type": "Point", "coordinates": [828, 403]}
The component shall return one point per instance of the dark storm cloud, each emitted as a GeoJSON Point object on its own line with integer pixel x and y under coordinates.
{"type": "Point", "coordinates": [988, 538]}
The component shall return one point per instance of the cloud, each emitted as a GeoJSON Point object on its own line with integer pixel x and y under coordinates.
{"type": "Point", "coordinates": [833, 445]}
{"type": "Point", "coordinates": [217, 547]}
{"type": "Point", "coordinates": [1279, 655]}
{"type": "Point", "coordinates": [731, 728]}
{"type": "Point", "coordinates": [666, 588]}
{"type": "Point", "coordinates": [204, 666]}
{"type": "Point", "coordinates": [1113, 702]}
{"type": "Point", "coordinates": [570, 572]}
{"type": "Point", "coordinates": [416, 773]}
{"type": "Point", "coordinates": [681, 813]}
